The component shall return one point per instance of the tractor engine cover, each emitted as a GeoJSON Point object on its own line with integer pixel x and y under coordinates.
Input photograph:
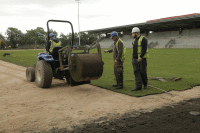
{"type": "Point", "coordinates": [85, 67]}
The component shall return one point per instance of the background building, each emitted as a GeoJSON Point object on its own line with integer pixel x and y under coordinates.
{"type": "Point", "coordinates": [171, 32]}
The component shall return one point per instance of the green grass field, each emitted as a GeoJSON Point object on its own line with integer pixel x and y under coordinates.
{"type": "Point", "coordinates": [161, 63]}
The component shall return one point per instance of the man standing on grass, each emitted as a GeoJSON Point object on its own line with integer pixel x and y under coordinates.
{"type": "Point", "coordinates": [139, 60]}
{"type": "Point", "coordinates": [119, 51]}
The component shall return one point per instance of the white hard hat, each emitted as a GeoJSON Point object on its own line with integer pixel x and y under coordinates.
{"type": "Point", "coordinates": [135, 29]}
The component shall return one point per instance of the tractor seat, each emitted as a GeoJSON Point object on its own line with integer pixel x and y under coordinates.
{"type": "Point", "coordinates": [55, 52]}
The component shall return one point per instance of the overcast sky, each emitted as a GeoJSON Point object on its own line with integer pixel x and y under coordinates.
{"type": "Point", "coordinates": [94, 14]}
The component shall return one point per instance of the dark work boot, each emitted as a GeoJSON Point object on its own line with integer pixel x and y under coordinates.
{"type": "Point", "coordinates": [145, 86]}
{"type": "Point", "coordinates": [115, 85]}
{"type": "Point", "coordinates": [119, 87]}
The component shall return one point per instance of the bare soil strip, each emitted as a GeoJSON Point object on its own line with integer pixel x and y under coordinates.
{"type": "Point", "coordinates": [25, 106]}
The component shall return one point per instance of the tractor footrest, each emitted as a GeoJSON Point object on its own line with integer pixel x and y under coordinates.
{"type": "Point", "coordinates": [67, 68]}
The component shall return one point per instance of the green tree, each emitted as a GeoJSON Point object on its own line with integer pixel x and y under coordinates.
{"type": "Point", "coordinates": [2, 41]}
{"type": "Point", "coordinates": [37, 35]}
{"type": "Point", "coordinates": [87, 38]}
{"type": "Point", "coordinates": [54, 32]}
{"type": "Point", "coordinates": [41, 35]}
{"type": "Point", "coordinates": [14, 36]}
{"type": "Point", "coordinates": [76, 39]}
{"type": "Point", "coordinates": [65, 40]}
{"type": "Point", "coordinates": [2, 37]}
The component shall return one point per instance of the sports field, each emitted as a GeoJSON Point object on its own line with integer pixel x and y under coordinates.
{"type": "Point", "coordinates": [61, 108]}
{"type": "Point", "coordinates": [161, 63]}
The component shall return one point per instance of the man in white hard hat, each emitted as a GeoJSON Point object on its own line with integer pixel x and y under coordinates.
{"type": "Point", "coordinates": [119, 51]}
{"type": "Point", "coordinates": [139, 60]}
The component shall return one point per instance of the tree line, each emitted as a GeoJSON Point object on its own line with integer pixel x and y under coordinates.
{"type": "Point", "coordinates": [39, 36]}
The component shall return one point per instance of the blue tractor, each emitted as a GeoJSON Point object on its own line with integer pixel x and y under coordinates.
{"type": "Point", "coordinates": [76, 68]}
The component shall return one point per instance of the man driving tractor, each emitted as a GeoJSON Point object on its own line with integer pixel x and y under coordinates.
{"type": "Point", "coordinates": [53, 42]}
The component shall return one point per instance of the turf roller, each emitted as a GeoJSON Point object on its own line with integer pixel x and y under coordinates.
{"type": "Point", "coordinates": [85, 67]}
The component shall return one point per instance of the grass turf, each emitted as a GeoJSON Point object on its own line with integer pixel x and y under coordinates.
{"type": "Point", "coordinates": [161, 63]}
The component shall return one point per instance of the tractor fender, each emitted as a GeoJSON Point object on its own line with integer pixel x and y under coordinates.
{"type": "Point", "coordinates": [45, 56]}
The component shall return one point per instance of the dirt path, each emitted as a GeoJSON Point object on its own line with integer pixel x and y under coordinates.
{"type": "Point", "coordinates": [26, 107]}
{"type": "Point", "coordinates": [171, 119]}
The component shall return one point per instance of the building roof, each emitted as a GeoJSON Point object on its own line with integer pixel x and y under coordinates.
{"type": "Point", "coordinates": [163, 24]}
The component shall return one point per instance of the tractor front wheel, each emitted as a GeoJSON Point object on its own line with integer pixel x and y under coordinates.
{"type": "Point", "coordinates": [30, 74]}
{"type": "Point", "coordinates": [43, 74]}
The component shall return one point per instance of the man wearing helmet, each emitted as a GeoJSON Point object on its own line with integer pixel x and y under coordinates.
{"type": "Point", "coordinates": [119, 51]}
{"type": "Point", "coordinates": [52, 42]}
{"type": "Point", "coordinates": [139, 60]}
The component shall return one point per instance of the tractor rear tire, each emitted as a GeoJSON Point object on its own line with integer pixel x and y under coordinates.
{"type": "Point", "coordinates": [87, 82]}
{"type": "Point", "coordinates": [72, 82]}
{"type": "Point", "coordinates": [44, 74]}
{"type": "Point", "coordinates": [30, 74]}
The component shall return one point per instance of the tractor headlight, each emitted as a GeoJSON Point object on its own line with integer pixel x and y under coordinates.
{"type": "Point", "coordinates": [48, 56]}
